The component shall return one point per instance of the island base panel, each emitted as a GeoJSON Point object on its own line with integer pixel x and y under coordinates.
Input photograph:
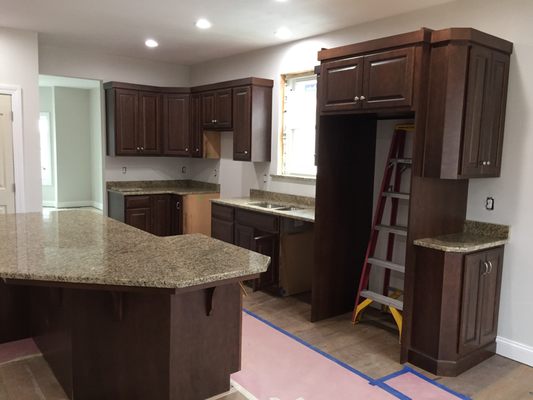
{"type": "Point", "coordinates": [14, 309]}
{"type": "Point", "coordinates": [130, 345]}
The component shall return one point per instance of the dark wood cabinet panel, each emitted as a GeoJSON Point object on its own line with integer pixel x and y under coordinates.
{"type": "Point", "coordinates": [388, 79]}
{"type": "Point", "coordinates": [267, 244]}
{"type": "Point", "coordinates": [176, 206]}
{"type": "Point", "coordinates": [242, 125]}
{"type": "Point", "coordinates": [222, 230]}
{"type": "Point", "coordinates": [161, 215]}
{"type": "Point", "coordinates": [176, 127]}
{"type": "Point", "coordinates": [126, 121]}
{"type": "Point", "coordinates": [149, 130]}
{"type": "Point", "coordinates": [223, 109]}
{"type": "Point", "coordinates": [341, 82]}
{"type": "Point", "coordinates": [196, 130]}
{"type": "Point", "coordinates": [455, 319]}
{"type": "Point", "coordinates": [140, 218]}
{"type": "Point", "coordinates": [217, 110]}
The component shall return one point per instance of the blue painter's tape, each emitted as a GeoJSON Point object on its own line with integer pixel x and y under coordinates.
{"type": "Point", "coordinates": [370, 380]}
{"type": "Point", "coordinates": [439, 385]}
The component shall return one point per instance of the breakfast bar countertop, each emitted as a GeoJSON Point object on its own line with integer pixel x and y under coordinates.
{"type": "Point", "coordinates": [84, 247]}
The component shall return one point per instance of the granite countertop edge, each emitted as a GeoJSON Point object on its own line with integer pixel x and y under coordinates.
{"type": "Point", "coordinates": [150, 191]}
{"type": "Point", "coordinates": [451, 247]}
{"type": "Point", "coordinates": [241, 203]}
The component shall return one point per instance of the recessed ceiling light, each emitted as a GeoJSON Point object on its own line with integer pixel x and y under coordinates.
{"type": "Point", "coordinates": [283, 33]}
{"type": "Point", "coordinates": [151, 43]}
{"type": "Point", "coordinates": [202, 23]}
{"type": "Point", "coordinates": [281, 1]}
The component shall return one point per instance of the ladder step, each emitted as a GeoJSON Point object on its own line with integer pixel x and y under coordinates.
{"type": "Point", "coordinates": [397, 195]}
{"type": "Point", "coordinates": [379, 298]}
{"type": "Point", "coordinates": [386, 264]}
{"type": "Point", "coordinates": [407, 161]}
{"type": "Point", "coordinates": [396, 229]}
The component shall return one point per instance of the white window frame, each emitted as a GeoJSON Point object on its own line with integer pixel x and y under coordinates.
{"type": "Point", "coordinates": [283, 172]}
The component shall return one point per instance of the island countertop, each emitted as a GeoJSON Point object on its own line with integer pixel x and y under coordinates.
{"type": "Point", "coordinates": [84, 247]}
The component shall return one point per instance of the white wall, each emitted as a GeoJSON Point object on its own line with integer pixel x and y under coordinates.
{"type": "Point", "coordinates": [95, 111]}
{"type": "Point", "coordinates": [512, 191]}
{"type": "Point", "coordinates": [93, 65]}
{"type": "Point", "coordinates": [73, 146]}
{"type": "Point", "coordinates": [19, 66]}
{"type": "Point", "coordinates": [46, 104]}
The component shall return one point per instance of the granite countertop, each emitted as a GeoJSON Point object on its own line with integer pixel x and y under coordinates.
{"type": "Point", "coordinates": [85, 247]}
{"type": "Point", "coordinates": [179, 187]}
{"type": "Point", "coordinates": [475, 236]}
{"type": "Point", "coordinates": [306, 204]}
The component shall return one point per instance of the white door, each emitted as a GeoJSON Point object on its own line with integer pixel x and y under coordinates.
{"type": "Point", "coordinates": [7, 180]}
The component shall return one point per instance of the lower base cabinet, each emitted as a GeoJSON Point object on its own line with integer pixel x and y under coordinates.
{"type": "Point", "coordinates": [455, 310]}
{"type": "Point", "coordinates": [253, 231]}
{"type": "Point", "coordinates": [160, 214]}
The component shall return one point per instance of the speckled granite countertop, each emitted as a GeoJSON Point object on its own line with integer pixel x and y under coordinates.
{"type": "Point", "coordinates": [475, 236]}
{"type": "Point", "coordinates": [85, 247]}
{"type": "Point", "coordinates": [179, 187]}
{"type": "Point", "coordinates": [306, 204]}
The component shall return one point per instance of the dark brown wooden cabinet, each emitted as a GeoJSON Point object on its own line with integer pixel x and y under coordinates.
{"type": "Point", "coordinates": [253, 231]}
{"type": "Point", "coordinates": [149, 128]}
{"type": "Point", "coordinates": [217, 110]}
{"type": "Point", "coordinates": [456, 309]}
{"type": "Point", "coordinates": [196, 130]}
{"type": "Point", "coordinates": [176, 135]}
{"type": "Point", "coordinates": [375, 81]}
{"type": "Point", "coordinates": [133, 122]}
{"type": "Point", "coordinates": [252, 115]}
{"type": "Point", "coordinates": [466, 110]}
{"type": "Point", "coordinates": [159, 214]}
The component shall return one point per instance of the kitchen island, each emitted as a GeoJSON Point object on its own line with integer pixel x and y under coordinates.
{"type": "Point", "coordinates": [119, 313]}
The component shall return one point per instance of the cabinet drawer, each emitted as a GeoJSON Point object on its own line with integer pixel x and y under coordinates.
{"type": "Point", "coordinates": [222, 212]}
{"type": "Point", "coordinates": [263, 222]}
{"type": "Point", "coordinates": [137, 201]}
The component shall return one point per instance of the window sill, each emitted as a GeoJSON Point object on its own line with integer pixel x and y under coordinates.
{"type": "Point", "coordinates": [303, 179]}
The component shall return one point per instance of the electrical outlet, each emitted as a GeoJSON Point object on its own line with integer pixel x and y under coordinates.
{"type": "Point", "coordinates": [489, 203]}
{"type": "Point", "coordinates": [215, 173]}
{"type": "Point", "coordinates": [124, 170]}
{"type": "Point", "coordinates": [184, 170]}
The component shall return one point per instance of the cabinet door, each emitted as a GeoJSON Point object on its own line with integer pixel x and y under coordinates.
{"type": "Point", "coordinates": [494, 115]}
{"type": "Point", "coordinates": [242, 123]}
{"type": "Point", "coordinates": [176, 130]}
{"type": "Point", "coordinates": [222, 230]}
{"type": "Point", "coordinates": [140, 218]}
{"type": "Point", "coordinates": [491, 284]}
{"type": "Point", "coordinates": [388, 79]}
{"type": "Point", "coordinates": [472, 293]}
{"type": "Point", "coordinates": [244, 236]}
{"type": "Point", "coordinates": [149, 133]}
{"type": "Point", "coordinates": [223, 109]}
{"type": "Point", "coordinates": [161, 215]}
{"type": "Point", "coordinates": [208, 109]}
{"type": "Point", "coordinates": [126, 121]}
{"type": "Point", "coordinates": [196, 127]}
{"type": "Point", "coordinates": [478, 76]}
{"type": "Point", "coordinates": [267, 244]}
{"type": "Point", "coordinates": [176, 206]}
{"type": "Point", "coordinates": [341, 83]}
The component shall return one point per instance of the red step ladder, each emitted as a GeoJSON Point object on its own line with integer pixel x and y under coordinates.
{"type": "Point", "coordinates": [395, 168]}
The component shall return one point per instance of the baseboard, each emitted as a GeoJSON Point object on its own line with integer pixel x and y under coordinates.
{"type": "Point", "coordinates": [514, 350]}
{"type": "Point", "coordinates": [49, 203]}
{"type": "Point", "coordinates": [72, 204]}
{"type": "Point", "coordinates": [98, 205]}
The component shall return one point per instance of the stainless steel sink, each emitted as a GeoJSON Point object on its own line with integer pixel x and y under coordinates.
{"type": "Point", "coordinates": [273, 206]}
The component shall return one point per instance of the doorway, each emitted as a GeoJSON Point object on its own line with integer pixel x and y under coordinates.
{"type": "Point", "coordinates": [70, 127]}
{"type": "Point", "coordinates": [7, 177]}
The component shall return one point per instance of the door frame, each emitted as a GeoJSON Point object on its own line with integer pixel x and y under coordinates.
{"type": "Point", "coordinates": [15, 92]}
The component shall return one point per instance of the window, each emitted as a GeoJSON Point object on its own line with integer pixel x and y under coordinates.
{"type": "Point", "coordinates": [46, 149]}
{"type": "Point", "coordinates": [299, 119]}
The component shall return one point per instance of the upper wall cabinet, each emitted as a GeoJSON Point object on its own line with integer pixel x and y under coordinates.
{"type": "Point", "coordinates": [468, 77]}
{"type": "Point", "coordinates": [176, 134]}
{"type": "Point", "coordinates": [216, 110]}
{"type": "Point", "coordinates": [133, 122]}
{"type": "Point", "coordinates": [375, 81]}
{"type": "Point", "coordinates": [378, 76]}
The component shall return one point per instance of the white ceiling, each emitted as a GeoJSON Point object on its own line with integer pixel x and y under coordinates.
{"type": "Point", "coordinates": [121, 26]}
